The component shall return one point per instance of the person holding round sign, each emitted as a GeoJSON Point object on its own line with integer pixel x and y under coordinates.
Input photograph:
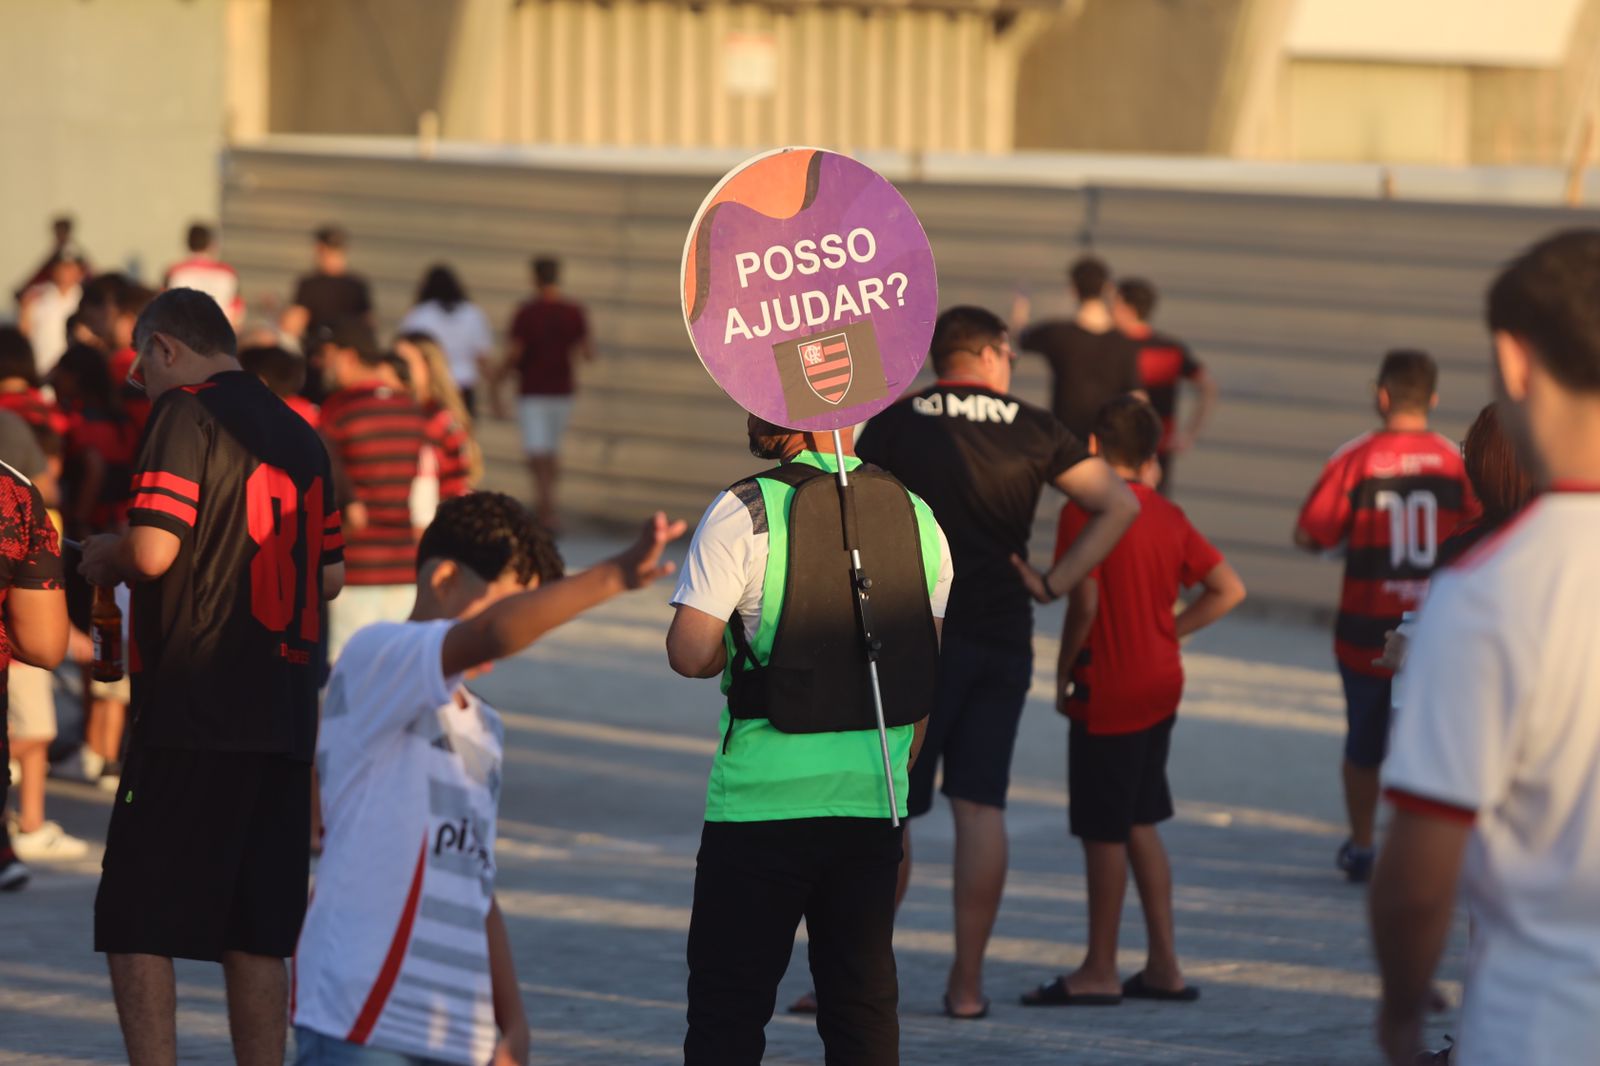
{"type": "Point", "coordinates": [815, 590]}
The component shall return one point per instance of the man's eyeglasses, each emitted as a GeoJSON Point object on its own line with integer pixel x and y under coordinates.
{"type": "Point", "coordinates": [1005, 351]}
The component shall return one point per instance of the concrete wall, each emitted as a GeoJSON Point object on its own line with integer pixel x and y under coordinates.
{"type": "Point", "coordinates": [1290, 299]}
{"type": "Point", "coordinates": [113, 112]}
{"type": "Point", "coordinates": [1141, 75]}
{"type": "Point", "coordinates": [646, 72]}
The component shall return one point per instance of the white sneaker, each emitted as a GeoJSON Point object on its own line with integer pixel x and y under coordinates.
{"type": "Point", "coordinates": [110, 782]}
{"type": "Point", "coordinates": [13, 875]}
{"type": "Point", "coordinates": [48, 843]}
{"type": "Point", "coordinates": [82, 765]}
{"type": "Point", "coordinates": [16, 773]}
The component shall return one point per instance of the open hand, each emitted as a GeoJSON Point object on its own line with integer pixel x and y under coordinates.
{"type": "Point", "coordinates": [641, 564]}
{"type": "Point", "coordinates": [1032, 580]}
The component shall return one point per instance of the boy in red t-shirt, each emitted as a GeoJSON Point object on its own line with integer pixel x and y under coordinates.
{"type": "Point", "coordinates": [1120, 678]}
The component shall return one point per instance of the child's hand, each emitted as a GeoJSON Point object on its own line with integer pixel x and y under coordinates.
{"type": "Point", "coordinates": [513, 1047]}
{"type": "Point", "coordinates": [641, 564]}
{"type": "Point", "coordinates": [1063, 697]}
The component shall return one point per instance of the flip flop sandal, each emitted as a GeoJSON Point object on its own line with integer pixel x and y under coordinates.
{"type": "Point", "coordinates": [1135, 988]}
{"type": "Point", "coordinates": [981, 1013]}
{"type": "Point", "coordinates": [1056, 994]}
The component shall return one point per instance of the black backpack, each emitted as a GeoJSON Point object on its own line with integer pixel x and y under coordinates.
{"type": "Point", "coordinates": [816, 679]}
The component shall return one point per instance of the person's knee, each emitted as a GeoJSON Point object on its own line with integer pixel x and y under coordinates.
{"type": "Point", "coordinates": [976, 815]}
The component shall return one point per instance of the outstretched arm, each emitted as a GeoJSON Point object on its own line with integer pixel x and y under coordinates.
{"type": "Point", "coordinates": [513, 623]}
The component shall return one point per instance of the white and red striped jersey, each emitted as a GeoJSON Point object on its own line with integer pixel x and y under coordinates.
{"type": "Point", "coordinates": [394, 953]}
{"type": "Point", "coordinates": [211, 276]}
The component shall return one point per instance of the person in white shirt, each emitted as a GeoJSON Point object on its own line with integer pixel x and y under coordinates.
{"type": "Point", "coordinates": [404, 957]}
{"type": "Point", "coordinates": [1492, 768]}
{"type": "Point", "coordinates": [444, 312]}
{"type": "Point", "coordinates": [204, 271]}
{"type": "Point", "coordinates": [46, 308]}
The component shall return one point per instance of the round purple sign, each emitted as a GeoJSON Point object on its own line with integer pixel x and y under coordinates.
{"type": "Point", "coordinates": [809, 289]}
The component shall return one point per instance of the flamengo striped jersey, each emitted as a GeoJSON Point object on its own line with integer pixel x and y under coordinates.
{"type": "Point", "coordinates": [394, 953]}
{"type": "Point", "coordinates": [225, 645]}
{"type": "Point", "coordinates": [378, 434]}
{"type": "Point", "coordinates": [453, 445]}
{"type": "Point", "coordinates": [1388, 499]}
{"type": "Point", "coordinates": [211, 276]}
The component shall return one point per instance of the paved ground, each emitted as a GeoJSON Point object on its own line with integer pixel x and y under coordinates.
{"type": "Point", "coordinates": [604, 789]}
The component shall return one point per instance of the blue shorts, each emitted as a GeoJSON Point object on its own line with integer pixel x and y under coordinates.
{"type": "Point", "coordinates": [1366, 702]}
{"type": "Point", "coordinates": [314, 1049]}
{"type": "Point", "coordinates": [972, 729]}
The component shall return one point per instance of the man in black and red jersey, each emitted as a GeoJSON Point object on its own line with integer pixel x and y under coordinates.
{"type": "Point", "coordinates": [233, 544]}
{"type": "Point", "coordinates": [1090, 360]}
{"type": "Point", "coordinates": [1387, 498]}
{"type": "Point", "coordinates": [375, 432]}
{"type": "Point", "coordinates": [1164, 363]}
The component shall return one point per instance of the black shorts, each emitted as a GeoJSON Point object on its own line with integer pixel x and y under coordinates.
{"type": "Point", "coordinates": [207, 852]}
{"type": "Point", "coordinates": [1117, 781]}
{"type": "Point", "coordinates": [972, 729]}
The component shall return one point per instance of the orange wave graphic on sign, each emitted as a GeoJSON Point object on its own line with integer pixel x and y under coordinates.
{"type": "Point", "coordinates": [779, 186]}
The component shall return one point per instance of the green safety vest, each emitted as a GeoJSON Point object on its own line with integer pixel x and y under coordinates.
{"type": "Point", "coordinates": [761, 773]}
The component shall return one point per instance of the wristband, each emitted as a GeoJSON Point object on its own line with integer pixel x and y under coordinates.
{"type": "Point", "coordinates": [1048, 591]}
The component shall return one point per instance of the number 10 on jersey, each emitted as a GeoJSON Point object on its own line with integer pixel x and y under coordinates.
{"type": "Point", "coordinates": [1413, 527]}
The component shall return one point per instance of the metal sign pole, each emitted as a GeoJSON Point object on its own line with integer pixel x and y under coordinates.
{"type": "Point", "coordinates": [863, 585]}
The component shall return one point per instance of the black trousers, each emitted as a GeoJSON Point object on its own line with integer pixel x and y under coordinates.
{"type": "Point", "coordinates": [753, 883]}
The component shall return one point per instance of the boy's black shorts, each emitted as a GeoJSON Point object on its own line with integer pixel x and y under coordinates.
{"type": "Point", "coordinates": [208, 852]}
{"type": "Point", "coordinates": [1117, 781]}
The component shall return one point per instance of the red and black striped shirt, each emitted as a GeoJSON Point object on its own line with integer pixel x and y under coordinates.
{"type": "Point", "coordinates": [31, 406]}
{"type": "Point", "coordinates": [1389, 499]}
{"type": "Point", "coordinates": [454, 443]}
{"type": "Point", "coordinates": [1163, 362]}
{"type": "Point", "coordinates": [377, 435]}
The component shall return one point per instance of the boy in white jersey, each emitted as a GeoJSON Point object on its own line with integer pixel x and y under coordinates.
{"type": "Point", "coordinates": [1493, 765]}
{"type": "Point", "coordinates": [403, 959]}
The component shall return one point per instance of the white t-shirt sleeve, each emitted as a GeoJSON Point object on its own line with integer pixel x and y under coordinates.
{"type": "Point", "coordinates": [718, 575]}
{"type": "Point", "coordinates": [947, 574]}
{"type": "Point", "coordinates": [389, 678]}
{"type": "Point", "coordinates": [482, 336]}
{"type": "Point", "coordinates": [417, 320]}
{"type": "Point", "coordinates": [1454, 736]}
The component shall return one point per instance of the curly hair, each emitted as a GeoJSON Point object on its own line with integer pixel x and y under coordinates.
{"type": "Point", "coordinates": [491, 534]}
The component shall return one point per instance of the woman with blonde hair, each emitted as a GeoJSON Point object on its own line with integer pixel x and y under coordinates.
{"type": "Point", "coordinates": [460, 463]}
